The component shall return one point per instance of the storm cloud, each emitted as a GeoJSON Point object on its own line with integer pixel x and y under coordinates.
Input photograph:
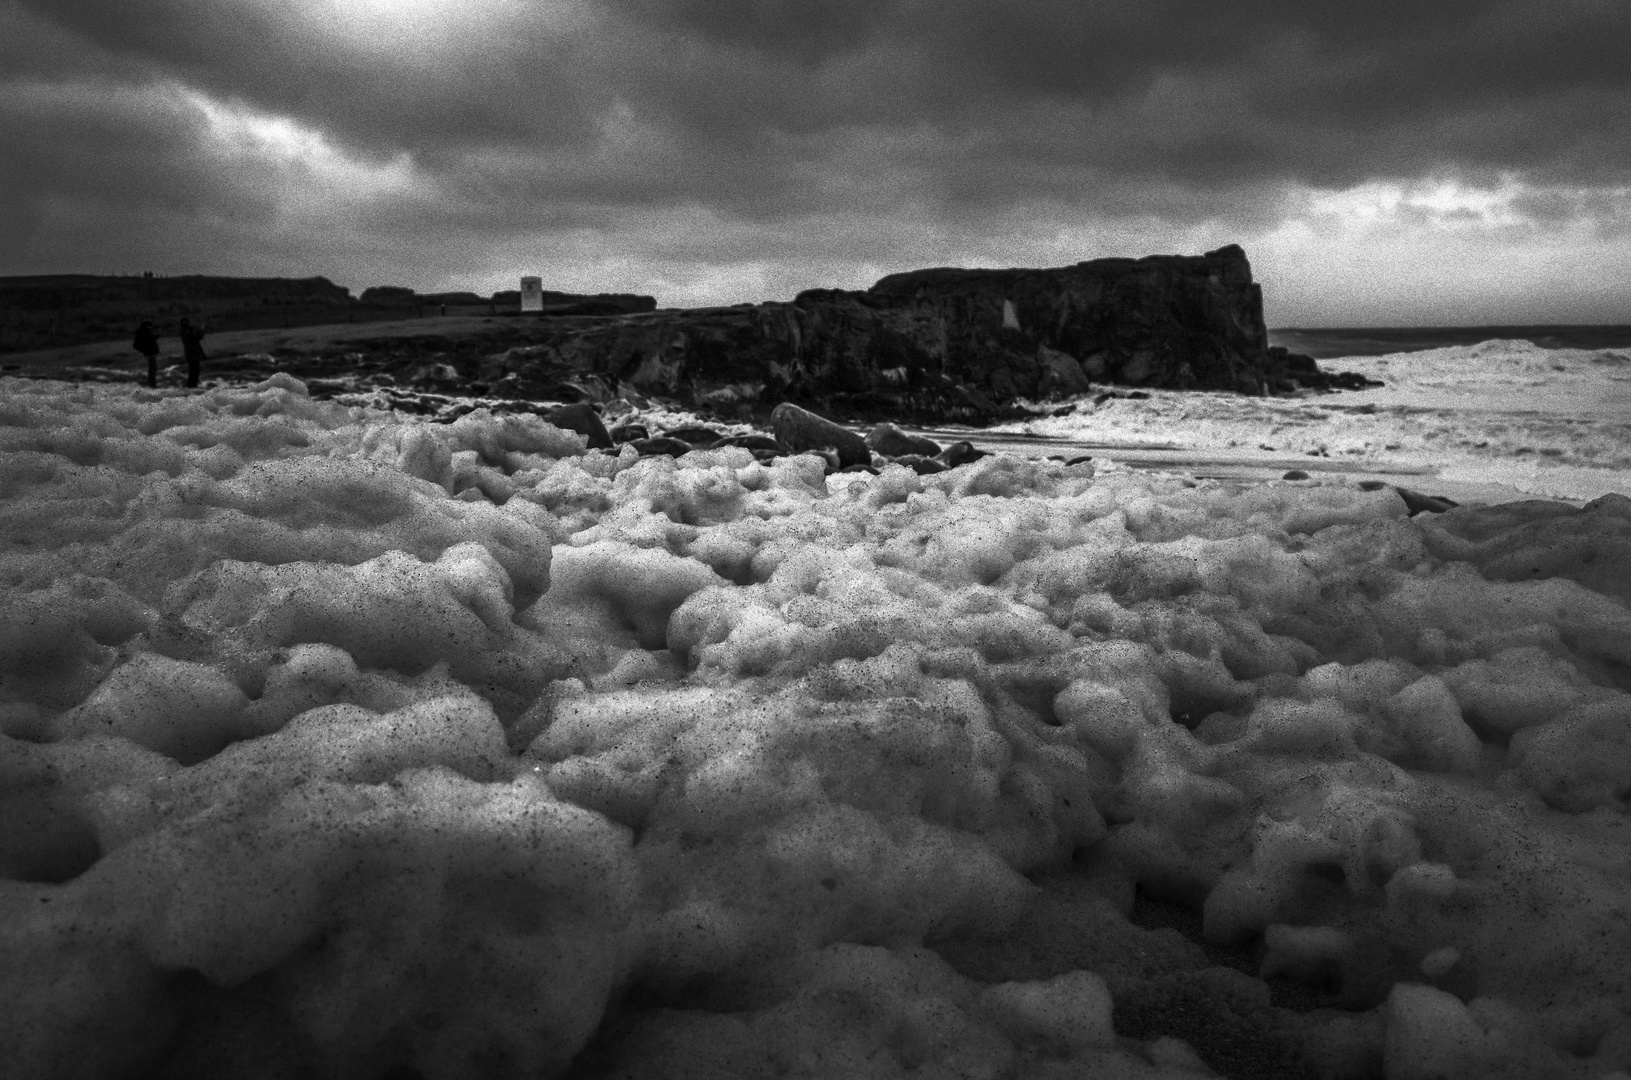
{"type": "Point", "coordinates": [1395, 162]}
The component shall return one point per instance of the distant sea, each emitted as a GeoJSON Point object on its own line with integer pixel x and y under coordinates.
{"type": "Point", "coordinates": [1378, 341]}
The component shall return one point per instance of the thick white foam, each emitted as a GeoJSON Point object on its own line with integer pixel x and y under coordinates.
{"type": "Point", "coordinates": [1505, 418]}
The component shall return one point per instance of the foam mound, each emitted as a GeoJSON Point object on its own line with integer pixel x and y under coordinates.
{"type": "Point", "coordinates": [338, 743]}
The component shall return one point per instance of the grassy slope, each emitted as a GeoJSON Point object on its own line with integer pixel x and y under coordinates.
{"type": "Point", "coordinates": [305, 340]}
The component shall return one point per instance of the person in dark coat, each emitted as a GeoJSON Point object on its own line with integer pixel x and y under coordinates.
{"type": "Point", "coordinates": [146, 342]}
{"type": "Point", "coordinates": [192, 348]}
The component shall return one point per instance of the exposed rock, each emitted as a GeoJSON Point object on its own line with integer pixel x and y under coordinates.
{"type": "Point", "coordinates": [436, 376]}
{"type": "Point", "coordinates": [950, 345]}
{"type": "Point", "coordinates": [923, 466]}
{"type": "Point", "coordinates": [801, 430]}
{"type": "Point", "coordinates": [1414, 501]}
{"type": "Point", "coordinates": [755, 442]}
{"type": "Point", "coordinates": [1119, 395]}
{"type": "Point", "coordinates": [1062, 374]}
{"type": "Point", "coordinates": [661, 444]}
{"type": "Point", "coordinates": [1172, 321]}
{"type": "Point", "coordinates": [583, 419]}
{"type": "Point", "coordinates": [943, 345]}
{"type": "Point", "coordinates": [891, 441]}
{"type": "Point", "coordinates": [623, 433]}
{"type": "Point", "coordinates": [1288, 372]}
{"type": "Point", "coordinates": [1417, 503]}
{"type": "Point", "coordinates": [928, 346]}
{"type": "Point", "coordinates": [959, 453]}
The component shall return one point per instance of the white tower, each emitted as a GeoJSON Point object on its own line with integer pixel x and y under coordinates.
{"type": "Point", "coordinates": [532, 294]}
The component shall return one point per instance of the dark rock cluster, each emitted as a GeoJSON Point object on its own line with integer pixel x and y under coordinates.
{"type": "Point", "coordinates": [1288, 372]}
{"type": "Point", "coordinates": [796, 431]}
{"type": "Point", "coordinates": [938, 345]}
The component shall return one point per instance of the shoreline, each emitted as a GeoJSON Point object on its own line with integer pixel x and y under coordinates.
{"type": "Point", "coordinates": [1168, 458]}
{"type": "Point", "coordinates": [1491, 422]}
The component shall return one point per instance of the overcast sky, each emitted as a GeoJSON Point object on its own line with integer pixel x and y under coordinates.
{"type": "Point", "coordinates": [1393, 162]}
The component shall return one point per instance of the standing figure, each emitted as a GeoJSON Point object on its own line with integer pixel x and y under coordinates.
{"type": "Point", "coordinates": [146, 342]}
{"type": "Point", "coordinates": [192, 347]}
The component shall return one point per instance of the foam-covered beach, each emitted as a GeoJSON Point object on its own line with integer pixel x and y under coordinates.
{"type": "Point", "coordinates": [1494, 421]}
{"type": "Point", "coordinates": [341, 743]}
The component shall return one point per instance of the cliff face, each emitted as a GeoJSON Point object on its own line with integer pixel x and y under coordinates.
{"type": "Point", "coordinates": [1173, 321]}
{"type": "Point", "coordinates": [946, 344]}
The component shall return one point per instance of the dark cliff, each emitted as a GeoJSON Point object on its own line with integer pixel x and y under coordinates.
{"type": "Point", "coordinates": [947, 344]}
{"type": "Point", "coordinates": [1166, 320]}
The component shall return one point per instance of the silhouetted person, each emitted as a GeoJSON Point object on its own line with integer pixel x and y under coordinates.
{"type": "Point", "coordinates": [146, 342]}
{"type": "Point", "coordinates": [192, 348]}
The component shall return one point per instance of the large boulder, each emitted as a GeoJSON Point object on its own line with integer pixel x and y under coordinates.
{"type": "Point", "coordinates": [891, 441]}
{"type": "Point", "coordinates": [800, 430]}
{"type": "Point", "coordinates": [1062, 374]}
{"type": "Point", "coordinates": [582, 418]}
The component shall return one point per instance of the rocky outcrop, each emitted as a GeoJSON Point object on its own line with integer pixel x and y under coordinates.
{"type": "Point", "coordinates": [1171, 321]}
{"type": "Point", "coordinates": [942, 344]}
{"type": "Point", "coordinates": [1286, 371]}
{"type": "Point", "coordinates": [891, 441]}
{"type": "Point", "coordinates": [581, 417]}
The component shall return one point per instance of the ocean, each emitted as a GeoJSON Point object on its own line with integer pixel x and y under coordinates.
{"type": "Point", "coordinates": [1472, 418]}
{"type": "Point", "coordinates": [1377, 341]}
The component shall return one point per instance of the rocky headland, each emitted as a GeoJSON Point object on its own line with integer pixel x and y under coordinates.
{"type": "Point", "coordinates": [938, 345]}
